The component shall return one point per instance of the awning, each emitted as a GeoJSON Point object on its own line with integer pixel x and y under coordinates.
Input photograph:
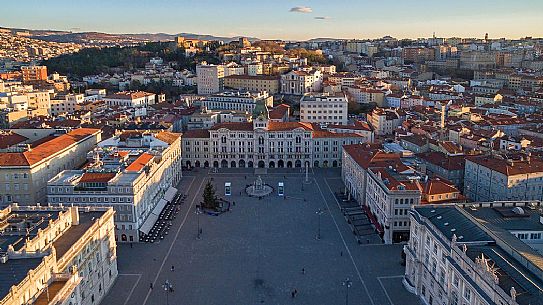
{"type": "Point", "coordinates": [170, 193]}
{"type": "Point", "coordinates": [159, 207]}
{"type": "Point", "coordinates": [373, 220]}
{"type": "Point", "coordinates": [148, 223]}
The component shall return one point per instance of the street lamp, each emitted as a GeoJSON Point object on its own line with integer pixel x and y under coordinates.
{"type": "Point", "coordinates": [319, 213]}
{"type": "Point", "coordinates": [198, 212]}
{"type": "Point", "coordinates": [168, 287]}
{"type": "Point", "coordinates": [347, 283]}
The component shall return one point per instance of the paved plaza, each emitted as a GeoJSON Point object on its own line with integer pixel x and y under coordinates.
{"type": "Point", "coordinates": [257, 252]}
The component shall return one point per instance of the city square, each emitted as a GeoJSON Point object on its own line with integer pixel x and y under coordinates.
{"type": "Point", "coordinates": [262, 250]}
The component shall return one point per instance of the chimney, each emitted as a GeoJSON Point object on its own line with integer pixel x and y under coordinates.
{"type": "Point", "coordinates": [75, 215]}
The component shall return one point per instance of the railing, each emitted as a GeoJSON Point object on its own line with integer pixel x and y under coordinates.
{"type": "Point", "coordinates": [80, 244]}
{"type": "Point", "coordinates": [72, 281]}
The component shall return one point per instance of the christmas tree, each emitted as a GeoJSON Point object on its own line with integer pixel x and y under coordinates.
{"type": "Point", "coordinates": [210, 199]}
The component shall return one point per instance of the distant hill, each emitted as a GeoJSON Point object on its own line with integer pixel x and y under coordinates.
{"type": "Point", "coordinates": [322, 39]}
{"type": "Point", "coordinates": [106, 38]}
{"type": "Point", "coordinates": [165, 36]}
{"type": "Point", "coordinates": [36, 32]}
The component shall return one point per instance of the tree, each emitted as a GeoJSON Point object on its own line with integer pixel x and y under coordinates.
{"type": "Point", "coordinates": [210, 199]}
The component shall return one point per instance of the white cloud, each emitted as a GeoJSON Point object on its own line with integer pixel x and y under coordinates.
{"type": "Point", "coordinates": [301, 9]}
{"type": "Point", "coordinates": [322, 17]}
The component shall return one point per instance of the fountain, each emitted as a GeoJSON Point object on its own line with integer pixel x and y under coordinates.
{"type": "Point", "coordinates": [258, 188]}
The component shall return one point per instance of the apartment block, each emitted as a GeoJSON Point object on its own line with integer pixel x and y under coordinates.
{"type": "Point", "coordinates": [133, 172]}
{"type": "Point", "coordinates": [24, 174]}
{"type": "Point", "coordinates": [476, 253]}
{"type": "Point", "coordinates": [489, 178]}
{"type": "Point", "coordinates": [56, 255]}
{"type": "Point", "coordinates": [258, 83]}
{"type": "Point", "coordinates": [210, 78]}
{"type": "Point", "coordinates": [324, 108]}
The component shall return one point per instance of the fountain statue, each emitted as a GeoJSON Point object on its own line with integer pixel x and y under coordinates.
{"type": "Point", "coordinates": [258, 188]}
{"type": "Point", "coordinates": [258, 185]}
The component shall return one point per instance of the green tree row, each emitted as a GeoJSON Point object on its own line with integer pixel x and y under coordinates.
{"type": "Point", "coordinates": [93, 61]}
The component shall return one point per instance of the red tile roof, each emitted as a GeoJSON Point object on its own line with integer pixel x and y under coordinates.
{"type": "Point", "coordinates": [358, 125]}
{"type": "Point", "coordinates": [285, 126]}
{"type": "Point", "coordinates": [437, 186]}
{"type": "Point", "coordinates": [10, 139]}
{"type": "Point", "coordinates": [279, 111]}
{"type": "Point", "coordinates": [367, 155]}
{"type": "Point", "coordinates": [47, 149]}
{"type": "Point", "coordinates": [329, 134]}
{"type": "Point", "coordinates": [196, 133]}
{"type": "Point", "coordinates": [168, 137]}
{"type": "Point", "coordinates": [239, 126]}
{"type": "Point", "coordinates": [517, 167]}
{"type": "Point", "coordinates": [139, 163]}
{"type": "Point", "coordinates": [444, 161]}
{"type": "Point", "coordinates": [96, 177]}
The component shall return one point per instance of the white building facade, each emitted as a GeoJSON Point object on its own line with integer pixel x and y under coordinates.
{"type": "Point", "coordinates": [488, 178]}
{"type": "Point", "coordinates": [299, 82]}
{"type": "Point", "coordinates": [137, 192]}
{"type": "Point", "coordinates": [237, 100]}
{"type": "Point", "coordinates": [210, 78]}
{"type": "Point", "coordinates": [324, 108]}
{"type": "Point", "coordinates": [265, 144]}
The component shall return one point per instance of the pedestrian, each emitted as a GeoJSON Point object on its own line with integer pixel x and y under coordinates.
{"type": "Point", "coordinates": [341, 253]}
{"type": "Point", "coordinates": [131, 246]}
{"type": "Point", "coordinates": [303, 270]}
{"type": "Point", "coordinates": [293, 293]}
{"type": "Point", "coordinates": [151, 286]}
{"type": "Point", "coordinates": [367, 241]}
{"type": "Point", "coordinates": [173, 268]}
{"type": "Point", "coordinates": [233, 203]}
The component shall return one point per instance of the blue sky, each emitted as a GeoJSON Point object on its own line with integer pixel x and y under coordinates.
{"type": "Point", "coordinates": [284, 19]}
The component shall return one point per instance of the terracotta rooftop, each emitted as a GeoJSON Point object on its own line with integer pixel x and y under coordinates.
{"type": "Point", "coordinates": [47, 149]}
{"type": "Point", "coordinates": [438, 186]}
{"type": "Point", "coordinates": [358, 125]}
{"type": "Point", "coordinates": [416, 139]}
{"type": "Point", "coordinates": [96, 177]}
{"type": "Point", "coordinates": [139, 163]}
{"type": "Point", "coordinates": [10, 139]}
{"type": "Point", "coordinates": [393, 183]}
{"type": "Point", "coordinates": [279, 111]}
{"type": "Point", "coordinates": [517, 167]}
{"type": "Point", "coordinates": [444, 161]}
{"type": "Point", "coordinates": [168, 137]}
{"type": "Point", "coordinates": [285, 126]}
{"type": "Point", "coordinates": [196, 133]}
{"type": "Point", "coordinates": [329, 134]}
{"type": "Point", "coordinates": [240, 126]}
{"type": "Point", "coordinates": [367, 155]}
